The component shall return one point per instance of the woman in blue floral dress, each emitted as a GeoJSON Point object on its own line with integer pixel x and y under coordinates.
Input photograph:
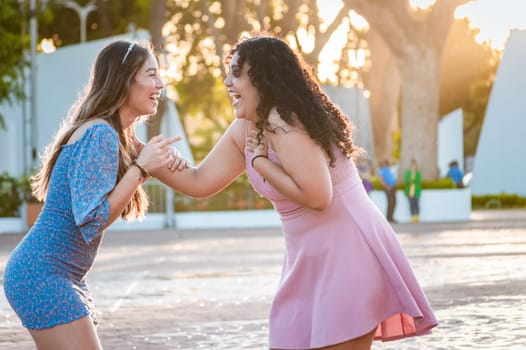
{"type": "Point", "coordinates": [91, 174]}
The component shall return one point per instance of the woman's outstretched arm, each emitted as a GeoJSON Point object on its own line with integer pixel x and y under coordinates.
{"type": "Point", "coordinates": [224, 163]}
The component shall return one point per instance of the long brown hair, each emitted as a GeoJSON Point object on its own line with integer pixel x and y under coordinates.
{"type": "Point", "coordinates": [286, 82]}
{"type": "Point", "coordinates": [112, 74]}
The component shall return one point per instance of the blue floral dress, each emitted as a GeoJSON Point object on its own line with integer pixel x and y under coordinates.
{"type": "Point", "coordinates": [45, 276]}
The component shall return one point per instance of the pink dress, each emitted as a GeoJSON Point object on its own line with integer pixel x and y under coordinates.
{"type": "Point", "coordinates": [344, 271]}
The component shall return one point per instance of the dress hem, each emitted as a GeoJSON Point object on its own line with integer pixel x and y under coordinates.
{"type": "Point", "coordinates": [422, 331]}
{"type": "Point", "coordinates": [56, 323]}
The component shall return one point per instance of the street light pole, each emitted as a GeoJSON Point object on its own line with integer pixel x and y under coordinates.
{"type": "Point", "coordinates": [82, 12]}
{"type": "Point", "coordinates": [30, 129]}
{"type": "Point", "coordinates": [33, 114]}
{"type": "Point", "coordinates": [26, 150]}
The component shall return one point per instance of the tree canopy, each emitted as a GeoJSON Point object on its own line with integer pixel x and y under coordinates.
{"type": "Point", "coordinates": [193, 36]}
{"type": "Point", "coordinates": [11, 53]}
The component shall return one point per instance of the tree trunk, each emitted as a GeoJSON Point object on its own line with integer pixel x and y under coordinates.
{"type": "Point", "coordinates": [420, 111]}
{"type": "Point", "coordinates": [383, 81]}
{"type": "Point", "coordinates": [158, 18]}
{"type": "Point", "coordinates": [416, 39]}
{"type": "Point", "coordinates": [103, 17]}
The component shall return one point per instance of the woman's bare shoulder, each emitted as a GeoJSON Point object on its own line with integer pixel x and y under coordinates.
{"type": "Point", "coordinates": [279, 126]}
{"type": "Point", "coordinates": [238, 132]}
{"type": "Point", "coordinates": [81, 130]}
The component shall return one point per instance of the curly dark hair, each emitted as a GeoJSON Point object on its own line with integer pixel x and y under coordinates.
{"type": "Point", "coordinates": [286, 82]}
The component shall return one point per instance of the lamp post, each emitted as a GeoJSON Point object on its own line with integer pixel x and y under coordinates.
{"type": "Point", "coordinates": [26, 150]}
{"type": "Point", "coordinates": [30, 132]}
{"type": "Point", "coordinates": [82, 12]}
{"type": "Point", "coordinates": [33, 30]}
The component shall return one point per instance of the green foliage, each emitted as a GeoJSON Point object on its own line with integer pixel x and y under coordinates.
{"type": "Point", "coordinates": [11, 53]}
{"type": "Point", "coordinates": [25, 189]}
{"type": "Point", "coordinates": [503, 200]}
{"type": "Point", "coordinates": [11, 195]}
{"type": "Point", "coordinates": [375, 180]}
{"type": "Point", "coordinates": [207, 110]}
{"type": "Point", "coordinates": [397, 144]}
{"type": "Point", "coordinates": [110, 18]}
{"type": "Point", "coordinates": [441, 184]}
{"type": "Point", "coordinates": [239, 195]}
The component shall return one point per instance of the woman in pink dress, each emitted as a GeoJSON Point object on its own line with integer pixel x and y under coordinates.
{"type": "Point", "coordinates": [345, 278]}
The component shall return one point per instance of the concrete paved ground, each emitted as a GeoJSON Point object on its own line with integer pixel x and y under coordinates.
{"type": "Point", "coordinates": [211, 289]}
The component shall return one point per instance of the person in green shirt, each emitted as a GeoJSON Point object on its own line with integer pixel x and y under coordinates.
{"type": "Point", "coordinates": [413, 188]}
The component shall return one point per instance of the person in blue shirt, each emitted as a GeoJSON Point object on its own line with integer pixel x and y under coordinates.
{"type": "Point", "coordinates": [388, 180]}
{"type": "Point", "coordinates": [455, 174]}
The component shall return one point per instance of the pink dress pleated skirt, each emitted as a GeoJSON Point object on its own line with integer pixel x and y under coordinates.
{"type": "Point", "coordinates": [344, 271]}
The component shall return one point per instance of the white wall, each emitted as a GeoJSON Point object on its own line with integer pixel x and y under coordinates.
{"type": "Point", "coordinates": [435, 205]}
{"type": "Point", "coordinates": [61, 77]}
{"type": "Point", "coordinates": [450, 141]}
{"type": "Point", "coordinates": [355, 105]}
{"type": "Point", "coordinates": [500, 160]}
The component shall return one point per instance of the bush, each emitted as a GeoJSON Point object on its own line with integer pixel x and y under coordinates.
{"type": "Point", "coordinates": [11, 196]}
{"type": "Point", "coordinates": [239, 195]}
{"type": "Point", "coordinates": [502, 200]}
{"type": "Point", "coordinates": [441, 184]}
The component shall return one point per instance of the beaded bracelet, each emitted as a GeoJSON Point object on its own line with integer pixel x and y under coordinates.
{"type": "Point", "coordinates": [144, 173]}
{"type": "Point", "coordinates": [256, 157]}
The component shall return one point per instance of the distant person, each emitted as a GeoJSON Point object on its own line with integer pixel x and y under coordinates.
{"type": "Point", "coordinates": [455, 174]}
{"type": "Point", "coordinates": [364, 171]}
{"type": "Point", "coordinates": [345, 278]}
{"type": "Point", "coordinates": [388, 181]}
{"type": "Point", "coordinates": [412, 189]}
{"type": "Point", "coordinates": [92, 174]}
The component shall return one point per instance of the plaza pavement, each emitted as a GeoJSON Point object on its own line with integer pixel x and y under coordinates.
{"type": "Point", "coordinates": [211, 289]}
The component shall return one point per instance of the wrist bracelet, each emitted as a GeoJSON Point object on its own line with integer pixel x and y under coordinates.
{"type": "Point", "coordinates": [256, 157]}
{"type": "Point", "coordinates": [144, 173]}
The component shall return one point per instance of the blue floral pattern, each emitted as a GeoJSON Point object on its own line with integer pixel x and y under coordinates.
{"type": "Point", "coordinates": [45, 277]}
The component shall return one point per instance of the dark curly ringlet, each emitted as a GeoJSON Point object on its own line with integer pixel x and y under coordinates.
{"type": "Point", "coordinates": [285, 81]}
{"type": "Point", "coordinates": [107, 90]}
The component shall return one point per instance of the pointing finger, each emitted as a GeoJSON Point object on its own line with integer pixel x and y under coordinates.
{"type": "Point", "coordinates": [171, 140]}
{"type": "Point", "coordinates": [156, 139]}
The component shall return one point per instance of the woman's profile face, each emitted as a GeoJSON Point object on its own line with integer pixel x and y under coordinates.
{"type": "Point", "coordinates": [245, 96]}
{"type": "Point", "coordinates": [144, 93]}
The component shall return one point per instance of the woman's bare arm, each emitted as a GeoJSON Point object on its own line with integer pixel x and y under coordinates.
{"type": "Point", "coordinates": [304, 175]}
{"type": "Point", "coordinates": [224, 163]}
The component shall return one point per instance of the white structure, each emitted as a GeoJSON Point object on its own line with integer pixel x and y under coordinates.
{"type": "Point", "coordinates": [435, 205]}
{"type": "Point", "coordinates": [499, 164]}
{"type": "Point", "coordinates": [355, 105]}
{"type": "Point", "coordinates": [450, 141]}
{"type": "Point", "coordinates": [61, 77]}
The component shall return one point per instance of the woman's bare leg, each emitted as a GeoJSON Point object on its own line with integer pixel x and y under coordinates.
{"type": "Point", "coordinates": [363, 342]}
{"type": "Point", "coordinates": [77, 335]}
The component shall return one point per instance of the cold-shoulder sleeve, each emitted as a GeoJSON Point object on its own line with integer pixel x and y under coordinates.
{"type": "Point", "coordinates": [92, 176]}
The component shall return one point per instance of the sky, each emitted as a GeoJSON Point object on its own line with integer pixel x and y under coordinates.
{"type": "Point", "coordinates": [494, 18]}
